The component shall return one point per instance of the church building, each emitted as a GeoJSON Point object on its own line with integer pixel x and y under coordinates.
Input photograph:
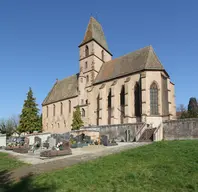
{"type": "Point", "coordinates": [129, 89]}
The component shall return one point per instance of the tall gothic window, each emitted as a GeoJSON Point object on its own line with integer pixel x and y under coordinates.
{"type": "Point", "coordinates": [102, 55]}
{"type": "Point", "coordinates": [54, 109]}
{"type": "Point", "coordinates": [61, 108]}
{"type": "Point", "coordinates": [153, 99]}
{"type": "Point", "coordinates": [86, 51]}
{"type": "Point", "coordinates": [98, 110]}
{"type": "Point", "coordinates": [122, 104]}
{"type": "Point", "coordinates": [69, 106]}
{"type": "Point", "coordinates": [137, 99]}
{"type": "Point", "coordinates": [83, 112]}
{"type": "Point", "coordinates": [86, 65]}
{"type": "Point", "coordinates": [109, 107]}
{"type": "Point", "coordinates": [47, 111]}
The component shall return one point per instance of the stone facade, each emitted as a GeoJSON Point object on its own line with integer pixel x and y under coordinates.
{"type": "Point", "coordinates": [110, 91]}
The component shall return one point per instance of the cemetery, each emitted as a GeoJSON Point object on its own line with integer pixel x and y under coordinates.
{"type": "Point", "coordinates": [47, 146]}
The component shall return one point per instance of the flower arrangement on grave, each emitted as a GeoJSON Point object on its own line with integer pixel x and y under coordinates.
{"type": "Point", "coordinates": [60, 146]}
{"type": "Point", "coordinates": [72, 141]}
{"type": "Point", "coordinates": [10, 145]}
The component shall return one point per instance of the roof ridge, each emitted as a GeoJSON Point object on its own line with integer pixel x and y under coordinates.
{"type": "Point", "coordinates": [128, 53]}
{"type": "Point", "coordinates": [68, 77]}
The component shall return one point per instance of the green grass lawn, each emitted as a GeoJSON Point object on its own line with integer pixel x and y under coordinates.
{"type": "Point", "coordinates": [7, 162]}
{"type": "Point", "coordinates": [163, 166]}
{"type": "Point", "coordinates": [159, 167]}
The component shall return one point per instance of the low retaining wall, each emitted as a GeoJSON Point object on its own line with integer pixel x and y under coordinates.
{"type": "Point", "coordinates": [125, 132]}
{"type": "Point", "coordinates": [180, 129]}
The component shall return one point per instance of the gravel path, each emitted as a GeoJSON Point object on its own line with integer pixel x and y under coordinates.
{"type": "Point", "coordinates": [56, 164]}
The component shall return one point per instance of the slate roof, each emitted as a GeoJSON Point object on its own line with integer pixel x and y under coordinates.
{"type": "Point", "coordinates": [95, 32]}
{"type": "Point", "coordinates": [142, 59]}
{"type": "Point", "coordinates": [63, 89]}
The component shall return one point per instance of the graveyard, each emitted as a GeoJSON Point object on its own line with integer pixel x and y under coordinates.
{"type": "Point", "coordinates": [44, 147]}
{"type": "Point", "coordinates": [160, 166]}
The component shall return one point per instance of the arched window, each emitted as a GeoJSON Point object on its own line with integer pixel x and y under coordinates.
{"type": "Point", "coordinates": [86, 51]}
{"type": "Point", "coordinates": [83, 112]}
{"type": "Point", "coordinates": [47, 111]}
{"type": "Point", "coordinates": [69, 106]}
{"type": "Point", "coordinates": [137, 99]}
{"type": "Point", "coordinates": [87, 78]}
{"type": "Point", "coordinates": [54, 110]}
{"type": "Point", "coordinates": [58, 125]}
{"type": "Point", "coordinates": [81, 79]}
{"type": "Point", "coordinates": [122, 104]}
{"type": "Point", "coordinates": [109, 107]}
{"type": "Point", "coordinates": [102, 55]}
{"type": "Point", "coordinates": [86, 101]}
{"type": "Point", "coordinates": [86, 65]}
{"type": "Point", "coordinates": [98, 109]}
{"type": "Point", "coordinates": [61, 108]}
{"type": "Point", "coordinates": [154, 99]}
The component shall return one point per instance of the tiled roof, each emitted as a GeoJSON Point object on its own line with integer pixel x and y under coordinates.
{"type": "Point", "coordinates": [142, 59]}
{"type": "Point", "coordinates": [63, 89]}
{"type": "Point", "coordinates": [95, 32]}
{"type": "Point", "coordinates": [139, 60]}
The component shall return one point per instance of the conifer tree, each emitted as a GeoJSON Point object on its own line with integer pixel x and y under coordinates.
{"type": "Point", "coordinates": [29, 118]}
{"type": "Point", "coordinates": [193, 108]}
{"type": "Point", "coordinates": [77, 122]}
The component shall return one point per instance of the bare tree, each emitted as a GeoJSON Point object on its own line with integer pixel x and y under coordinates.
{"type": "Point", "coordinates": [181, 108]}
{"type": "Point", "coordinates": [9, 125]}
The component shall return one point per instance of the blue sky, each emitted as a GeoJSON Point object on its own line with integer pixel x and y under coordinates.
{"type": "Point", "coordinates": [39, 42]}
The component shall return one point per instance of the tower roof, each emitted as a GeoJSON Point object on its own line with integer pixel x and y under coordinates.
{"type": "Point", "coordinates": [95, 32]}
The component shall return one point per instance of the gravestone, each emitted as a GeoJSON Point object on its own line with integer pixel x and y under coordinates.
{"type": "Point", "coordinates": [52, 142]}
{"type": "Point", "coordinates": [60, 137]}
{"type": "Point", "coordinates": [104, 140]}
{"type": "Point", "coordinates": [26, 144]}
{"type": "Point", "coordinates": [46, 145]}
{"type": "Point", "coordinates": [66, 136]}
{"type": "Point", "coordinates": [65, 145]}
{"type": "Point", "coordinates": [37, 140]}
{"type": "Point", "coordinates": [87, 139]}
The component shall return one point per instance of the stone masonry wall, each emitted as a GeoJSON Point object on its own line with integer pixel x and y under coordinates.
{"type": "Point", "coordinates": [180, 129]}
{"type": "Point", "coordinates": [119, 131]}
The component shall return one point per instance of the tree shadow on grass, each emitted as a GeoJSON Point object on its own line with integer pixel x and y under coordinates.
{"type": "Point", "coordinates": [23, 185]}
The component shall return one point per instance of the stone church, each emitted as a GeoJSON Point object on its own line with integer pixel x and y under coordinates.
{"type": "Point", "coordinates": [132, 88]}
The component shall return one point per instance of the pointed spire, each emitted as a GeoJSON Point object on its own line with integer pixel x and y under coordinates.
{"type": "Point", "coordinates": [95, 32]}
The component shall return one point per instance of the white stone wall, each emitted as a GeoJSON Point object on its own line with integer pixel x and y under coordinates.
{"type": "Point", "coordinates": [2, 140]}
{"type": "Point", "coordinates": [43, 137]}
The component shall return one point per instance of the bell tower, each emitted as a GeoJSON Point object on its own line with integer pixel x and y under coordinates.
{"type": "Point", "coordinates": [93, 52]}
